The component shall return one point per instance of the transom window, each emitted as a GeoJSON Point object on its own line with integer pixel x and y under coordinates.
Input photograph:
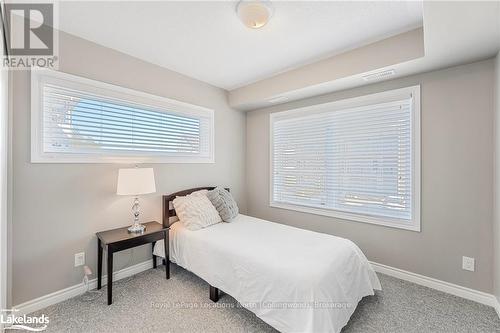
{"type": "Point", "coordinates": [356, 159]}
{"type": "Point", "coordinates": [80, 120]}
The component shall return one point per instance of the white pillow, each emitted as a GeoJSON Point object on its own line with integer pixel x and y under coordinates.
{"type": "Point", "coordinates": [199, 192]}
{"type": "Point", "coordinates": [195, 211]}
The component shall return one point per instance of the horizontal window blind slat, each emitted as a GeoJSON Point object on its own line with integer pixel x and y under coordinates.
{"type": "Point", "coordinates": [340, 161]}
{"type": "Point", "coordinates": [345, 130]}
{"type": "Point", "coordinates": [375, 110]}
{"type": "Point", "coordinates": [77, 122]}
{"type": "Point", "coordinates": [118, 115]}
{"type": "Point", "coordinates": [323, 136]}
{"type": "Point", "coordinates": [68, 114]}
{"type": "Point", "coordinates": [132, 147]}
{"type": "Point", "coordinates": [124, 143]}
{"type": "Point", "coordinates": [75, 127]}
{"type": "Point", "coordinates": [97, 143]}
{"type": "Point", "coordinates": [332, 122]}
{"type": "Point", "coordinates": [120, 106]}
{"type": "Point", "coordinates": [355, 160]}
{"type": "Point", "coordinates": [360, 205]}
{"type": "Point", "coordinates": [385, 212]}
{"type": "Point", "coordinates": [369, 204]}
{"type": "Point", "coordinates": [392, 191]}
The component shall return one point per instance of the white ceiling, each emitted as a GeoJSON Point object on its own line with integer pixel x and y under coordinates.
{"type": "Point", "coordinates": [206, 41]}
{"type": "Point", "coordinates": [455, 32]}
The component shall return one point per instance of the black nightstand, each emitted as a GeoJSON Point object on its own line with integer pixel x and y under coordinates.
{"type": "Point", "coordinates": [120, 239]}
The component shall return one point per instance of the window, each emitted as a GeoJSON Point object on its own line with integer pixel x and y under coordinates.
{"type": "Point", "coordinates": [84, 121]}
{"type": "Point", "coordinates": [356, 159]}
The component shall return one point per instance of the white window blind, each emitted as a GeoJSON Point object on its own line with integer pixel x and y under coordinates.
{"type": "Point", "coordinates": [77, 123]}
{"type": "Point", "coordinates": [356, 163]}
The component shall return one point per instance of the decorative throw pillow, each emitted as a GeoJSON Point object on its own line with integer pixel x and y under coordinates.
{"type": "Point", "coordinates": [195, 211]}
{"type": "Point", "coordinates": [224, 203]}
{"type": "Point", "coordinates": [199, 192]}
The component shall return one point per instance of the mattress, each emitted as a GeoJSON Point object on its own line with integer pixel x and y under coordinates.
{"type": "Point", "coordinates": [293, 279]}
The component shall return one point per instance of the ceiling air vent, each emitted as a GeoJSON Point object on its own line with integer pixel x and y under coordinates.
{"type": "Point", "coordinates": [379, 75]}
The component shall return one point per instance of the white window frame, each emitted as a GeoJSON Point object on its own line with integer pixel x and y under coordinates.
{"type": "Point", "coordinates": [387, 96]}
{"type": "Point", "coordinates": [41, 76]}
{"type": "Point", "coordinates": [5, 188]}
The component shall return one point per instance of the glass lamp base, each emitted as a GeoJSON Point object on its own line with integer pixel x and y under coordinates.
{"type": "Point", "coordinates": [136, 228]}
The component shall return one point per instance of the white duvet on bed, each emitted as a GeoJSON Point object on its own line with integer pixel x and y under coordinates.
{"type": "Point", "coordinates": [293, 279]}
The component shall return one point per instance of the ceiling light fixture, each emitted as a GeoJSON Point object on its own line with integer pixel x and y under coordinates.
{"type": "Point", "coordinates": [254, 13]}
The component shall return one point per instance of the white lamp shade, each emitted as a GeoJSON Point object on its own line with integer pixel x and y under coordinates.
{"type": "Point", "coordinates": [136, 181]}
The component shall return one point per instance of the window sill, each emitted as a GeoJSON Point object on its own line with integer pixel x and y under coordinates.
{"type": "Point", "coordinates": [387, 222]}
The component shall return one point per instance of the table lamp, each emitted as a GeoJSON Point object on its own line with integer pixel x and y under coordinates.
{"type": "Point", "coordinates": [136, 181]}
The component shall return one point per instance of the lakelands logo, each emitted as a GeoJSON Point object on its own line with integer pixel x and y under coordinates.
{"type": "Point", "coordinates": [10, 321]}
{"type": "Point", "coordinates": [29, 35]}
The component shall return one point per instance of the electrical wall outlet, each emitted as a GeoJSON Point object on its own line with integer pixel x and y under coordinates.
{"type": "Point", "coordinates": [79, 259]}
{"type": "Point", "coordinates": [468, 264]}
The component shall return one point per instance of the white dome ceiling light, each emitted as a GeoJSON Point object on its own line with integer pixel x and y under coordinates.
{"type": "Point", "coordinates": [254, 13]}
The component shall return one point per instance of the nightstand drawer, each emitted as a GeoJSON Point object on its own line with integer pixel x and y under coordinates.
{"type": "Point", "coordinates": [133, 242]}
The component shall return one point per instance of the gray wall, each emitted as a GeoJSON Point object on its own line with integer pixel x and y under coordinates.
{"type": "Point", "coordinates": [457, 178]}
{"type": "Point", "coordinates": [57, 208]}
{"type": "Point", "coordinates": [496, 221]}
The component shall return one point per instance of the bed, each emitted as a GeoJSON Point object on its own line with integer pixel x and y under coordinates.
{"type": "Point", "coordinates": [293, 279]}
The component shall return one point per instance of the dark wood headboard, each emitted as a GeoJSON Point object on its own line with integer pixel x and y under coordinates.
{"type": "Point", "coordinates": [167, 199]}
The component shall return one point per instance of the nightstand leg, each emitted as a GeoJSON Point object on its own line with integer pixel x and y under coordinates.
{"type": "Point", "coordinates": [214, 294]}
{"type": "Point", "coordinates": [99, 263]}
{"type": "Point", "coordinates": [154, 257]}
{"type": "Point", "coordinates": [167, 255]}
{"type": "Point", "coordinates": [110, 276]}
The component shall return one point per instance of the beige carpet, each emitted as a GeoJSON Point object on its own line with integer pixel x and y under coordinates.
{"type": "Point", "coordinates": [149, 303]}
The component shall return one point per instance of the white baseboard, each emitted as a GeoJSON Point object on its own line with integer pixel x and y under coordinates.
{"type": "Point", "coordinates": [67, 293]}
{"type": "Point", "coordinates": [450, 288]}
{"type": "Point", "coordinates": [497, 306]}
